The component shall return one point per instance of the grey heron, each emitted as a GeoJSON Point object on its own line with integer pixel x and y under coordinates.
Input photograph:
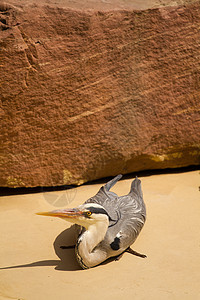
{"type": "Point", "coordinates": [106, 224]}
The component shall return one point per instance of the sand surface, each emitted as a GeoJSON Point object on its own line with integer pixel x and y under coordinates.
{"type": "Point", "coordinates": [33, 267]}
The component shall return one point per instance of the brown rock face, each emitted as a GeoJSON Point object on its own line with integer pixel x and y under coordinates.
{"type": "Point", "coordinates": [87, 94]}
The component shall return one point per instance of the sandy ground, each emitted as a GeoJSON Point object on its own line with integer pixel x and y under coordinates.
{"type": "Point", "coordinates": [33, 267]}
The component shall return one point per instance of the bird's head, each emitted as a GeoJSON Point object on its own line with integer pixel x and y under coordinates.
{"type": "Point", "coordinates": [85, 215]}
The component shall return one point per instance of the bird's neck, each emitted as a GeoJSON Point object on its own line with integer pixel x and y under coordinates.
{"type": "Point", "coordinates": [87, 253]}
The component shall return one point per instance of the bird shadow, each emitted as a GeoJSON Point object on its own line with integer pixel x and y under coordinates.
{"type": "Point", "coordinates": [67, 260]}
{"type": "Point", "coordinates": [67, 257]}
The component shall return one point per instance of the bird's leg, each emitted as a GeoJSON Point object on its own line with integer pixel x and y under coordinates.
{"type": "Point", "coordinates": [131, 251]}
{"type": "Point", "coordinates": [67, 247]}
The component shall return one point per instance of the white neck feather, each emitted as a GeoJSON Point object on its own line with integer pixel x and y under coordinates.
{"type": "Point", "coordinates": [86, 253]}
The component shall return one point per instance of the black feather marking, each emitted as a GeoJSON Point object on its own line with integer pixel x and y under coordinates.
{"type": "Point", "coordinates": [115, 244]}
{"type": "Point", "coordinates": [97, 210]}
{"type": "Point", "coordinates": [118, 217]}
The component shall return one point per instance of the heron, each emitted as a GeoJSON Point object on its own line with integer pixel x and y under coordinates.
{"type": "Point", "coordinates": [106, 224]}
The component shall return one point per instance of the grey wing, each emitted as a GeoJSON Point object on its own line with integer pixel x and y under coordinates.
{"type": "Point", "coordinates": [131, 214]}
{"type": "Point", "coordinates": [127, 215]}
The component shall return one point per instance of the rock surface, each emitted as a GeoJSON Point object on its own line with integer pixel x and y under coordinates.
{"type": "Point", "coordinates": [92, 92]}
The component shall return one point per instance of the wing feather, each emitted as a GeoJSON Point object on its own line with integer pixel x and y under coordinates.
{"type": "Point", "coordinates": [127, 213]}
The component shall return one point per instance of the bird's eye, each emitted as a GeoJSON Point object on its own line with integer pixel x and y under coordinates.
{"type": "Point", "coordinates": [88, 213]}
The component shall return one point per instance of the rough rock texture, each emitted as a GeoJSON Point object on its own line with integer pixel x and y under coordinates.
{"type": "Point", "coordinates": [89, 93]}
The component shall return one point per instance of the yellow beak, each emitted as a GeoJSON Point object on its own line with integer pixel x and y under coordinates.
{"type": "Point", "coordinates": [62, 213]}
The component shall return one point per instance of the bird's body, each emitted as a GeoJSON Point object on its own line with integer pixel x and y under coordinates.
{"type": "Point", "coordinates": [107, 224]}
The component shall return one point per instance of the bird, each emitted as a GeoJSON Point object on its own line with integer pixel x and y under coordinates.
{"type": "Point", "coordinates": [106, 224]}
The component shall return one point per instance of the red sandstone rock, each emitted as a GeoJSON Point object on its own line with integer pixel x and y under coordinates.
{"type": "Point", "coordinates": [87, 94]}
